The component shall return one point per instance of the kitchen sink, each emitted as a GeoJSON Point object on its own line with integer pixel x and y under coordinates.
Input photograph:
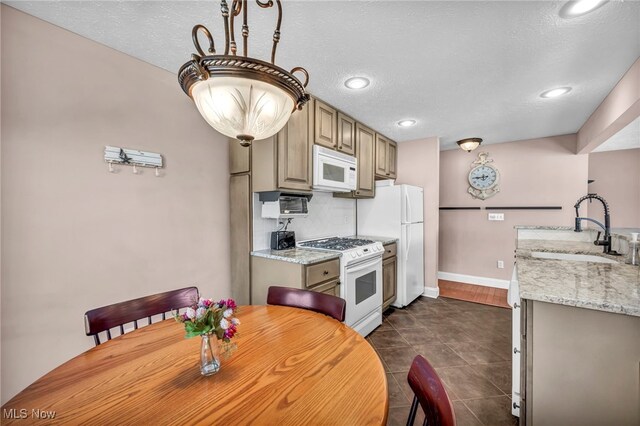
{"type": "Point", "coordinates": [573, 257]}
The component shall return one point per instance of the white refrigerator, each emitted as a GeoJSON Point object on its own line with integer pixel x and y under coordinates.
{"type": "Point", "coordinates": [397, 212]}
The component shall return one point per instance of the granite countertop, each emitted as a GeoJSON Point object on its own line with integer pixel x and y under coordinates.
{"type": "Point", "coordinates": [301, 256]}
{"type": "Point", "coordinates": [600, 286]}
{"type": "Point", "coordinates": [383, 240]}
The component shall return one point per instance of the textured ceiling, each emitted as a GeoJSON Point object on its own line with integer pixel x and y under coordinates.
{"type": "Point", "coordinates": [461, 69]}
{"type": "Point", "coordinates": [627, 138]}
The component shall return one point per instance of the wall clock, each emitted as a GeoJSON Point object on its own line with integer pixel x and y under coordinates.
{"type": "Point", "coordinates": [483, 178]}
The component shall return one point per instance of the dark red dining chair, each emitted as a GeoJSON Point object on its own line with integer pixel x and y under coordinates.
{"type": "Point", "coordinates": [117, 315]}
{"type": "Point", "coordinates": [430, 394]}
{"type": "Point", "coordinates": [318, 302]}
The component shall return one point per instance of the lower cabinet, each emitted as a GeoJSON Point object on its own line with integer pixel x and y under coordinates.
{"type": "Point", "coordinates": [583, 368]}
{"type": "Point", "coordinates": [389, 275]}
{"type": "Point", "coordinates": [323, 277]}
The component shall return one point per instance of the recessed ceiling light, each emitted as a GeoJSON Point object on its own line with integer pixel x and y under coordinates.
{"type": "Point", "coordinates": [357, 83]}
{"type": "Point", "coordinates": [575, 8]}
{"type": "Point", "coordinates": [554, 93]}
{"type": "Point", "coordinates": [406, 123]}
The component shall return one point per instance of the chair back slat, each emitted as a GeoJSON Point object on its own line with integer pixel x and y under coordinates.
{"type": "Point", "coordinates": [117, 315]}
{"type": "Point", "coordinates": [318, 302]}
{"type": "Point", "coordinates": [430, 393]}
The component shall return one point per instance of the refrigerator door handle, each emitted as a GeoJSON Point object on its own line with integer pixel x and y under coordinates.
{"type": "Point", "coordinates": [408, 244]}
{"type": "Point", "coordinates": [407, 207]}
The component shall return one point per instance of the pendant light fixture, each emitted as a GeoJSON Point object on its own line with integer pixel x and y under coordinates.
{"type": "Point", "coordinates": [239, 96]}
{"type": "Point", "coordinates": [469, 144]}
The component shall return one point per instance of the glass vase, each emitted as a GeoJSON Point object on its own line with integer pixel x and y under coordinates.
{"type": "Point", "coordinates": [209, 356]}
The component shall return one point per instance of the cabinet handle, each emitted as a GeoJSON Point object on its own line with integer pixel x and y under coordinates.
{"type": "Point", "coordinates": [388, 174]}
{"type": "Point", "coordinates": [516, 306]}
{"type": "Point", "coordinates": [357, 192]}
{"type": "Point", "coordinates": [516, 351]}
{"type": "Point", "coordinates": [515, 405]}
{"type": "Point", "coordinates": [388, 251]}
{"type": "Point", "coordinates": [325, 273]}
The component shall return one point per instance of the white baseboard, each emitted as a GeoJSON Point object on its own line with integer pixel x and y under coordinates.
{"type": "Point", "coordinates": [432, 292]}
{"type": "Point", "coordinates": [470, 279]}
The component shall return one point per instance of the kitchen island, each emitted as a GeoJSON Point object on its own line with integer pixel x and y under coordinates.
{"type": "Point", "coordinates": [576, 331]}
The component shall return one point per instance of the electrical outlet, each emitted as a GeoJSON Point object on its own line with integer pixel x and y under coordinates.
{"type": "Point", "coordinates": [496, 216]}
{"type": "Point", "coordinates": [500, 264]}
{"type": "Point", "coordinates": [346, 219]}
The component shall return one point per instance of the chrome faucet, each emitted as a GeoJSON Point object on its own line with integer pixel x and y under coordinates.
{"type": "Point", "coordinates": [606, 242]}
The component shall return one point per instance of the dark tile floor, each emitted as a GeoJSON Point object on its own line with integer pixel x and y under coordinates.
{"type": "Point", "coordinates": [468, 344]}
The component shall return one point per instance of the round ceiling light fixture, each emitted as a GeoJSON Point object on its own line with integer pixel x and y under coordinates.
{"type": "Point", "coordinates": [575, 8]}
{"type": "Point", "coordinates": [469, 144]}
{"type": "Point", "coordinates": [239, 96]}
{"type": "Point", "coordinates": [406, 123]}
{"type": "Point", "coordinates": [554, 93]}
{"type": "Point", "coordinates": [357, 83]}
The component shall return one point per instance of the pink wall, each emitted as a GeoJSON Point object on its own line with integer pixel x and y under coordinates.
{"type": "Point", "coordinates": [619, 108]}
{"type": "Point", "coordinates": [74, 236]}
{"type": "Point", "coordinates": [617, 179]}
{"type": "Point", "coordinates": [537, 172]}
{"type": "Point", "coordinates": [418, 164]}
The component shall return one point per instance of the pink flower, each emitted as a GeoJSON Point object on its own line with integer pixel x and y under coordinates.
{"type": "Point", "coordinates": [200, 312]}
{"type": "Point", "coordinates": [231, 304]}
{"type": "Point", "coordinates": [224, 324]}
{"type": "Point", "coordinates": [190, 313]}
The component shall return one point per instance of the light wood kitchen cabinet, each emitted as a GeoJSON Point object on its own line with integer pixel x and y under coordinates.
{"type": "Point", "coordinates": [346, 134]}
{"type": "Point", "coordinates": [386, 158]}
{"type": "Point", "coordinates": [322, 277]}
{"type": "Point", "coordinates": [365, 149]}
{"type": "Point", "coordinates": [583, 368]}
{"type": "Point", "coordinates": [389, 275]}
{"type": "Point", "coordinates": [365, 146]}
{"type": "Point", "coordinates": [240, 204]}
{"type": "Point", "coordinates": [325, 125]}
{"type": "Point", "coordinates": [285, 161]}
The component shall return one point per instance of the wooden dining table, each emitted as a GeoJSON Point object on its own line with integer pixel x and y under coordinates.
{"type": "Point", "coordinates": [291, 367]}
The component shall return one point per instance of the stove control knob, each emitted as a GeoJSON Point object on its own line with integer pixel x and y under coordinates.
{"type": "Point", "coordinates": [353, 255]}
{"type": "Point", "coordinates": [359, 253]}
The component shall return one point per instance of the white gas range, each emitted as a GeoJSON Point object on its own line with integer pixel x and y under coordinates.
{"type": "Point", "coordinates": [360, 279]}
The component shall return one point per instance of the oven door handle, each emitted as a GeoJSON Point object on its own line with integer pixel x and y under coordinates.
{"type": "Point", "coordinates": [364, 265]}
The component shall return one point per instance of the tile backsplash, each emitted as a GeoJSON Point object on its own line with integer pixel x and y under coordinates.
{"type": "Point", "coordinates": [328, 216]}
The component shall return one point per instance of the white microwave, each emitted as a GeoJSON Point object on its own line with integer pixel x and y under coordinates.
{"type": "Point", "coordinates": [333, 171]}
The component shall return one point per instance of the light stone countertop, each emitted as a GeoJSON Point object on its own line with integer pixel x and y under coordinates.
{"type": "Point", "coordinates": [301, 256]}
{"type": "Point", "coordinates": [383, 240]}
{"type": "Point", "coordinates": [600, 286]}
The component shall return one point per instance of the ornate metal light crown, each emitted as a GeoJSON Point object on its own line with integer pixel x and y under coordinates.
{"type": "Point", "coordinates": [239, 96]}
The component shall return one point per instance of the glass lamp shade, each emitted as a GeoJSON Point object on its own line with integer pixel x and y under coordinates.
{"type": "Point", "coordinates": [242, 108]}
{"type": "Point", "coordinates": [469, 144]}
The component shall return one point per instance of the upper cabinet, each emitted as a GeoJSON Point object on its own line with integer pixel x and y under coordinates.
{"type": "Point", "coordinates": [365, 146]}
{"type": "Point", "coordinates": [284, 161]}
{"type": "Point", "coordinates": [386, 158]}
{"type": "Point", "coordinates": [346, 134]}
{"type": "Point", "coordinates": [325, 125]}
